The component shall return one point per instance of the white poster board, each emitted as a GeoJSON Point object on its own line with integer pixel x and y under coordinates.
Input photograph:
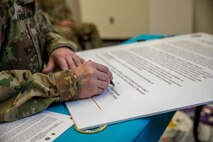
{"type": "Point", "coordinates": [150, 78]}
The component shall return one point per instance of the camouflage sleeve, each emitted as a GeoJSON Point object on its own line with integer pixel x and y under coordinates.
{"type": "Point", "coordinates": [53, 39]}
{"type": "Point", "coordinates": [23, 94]}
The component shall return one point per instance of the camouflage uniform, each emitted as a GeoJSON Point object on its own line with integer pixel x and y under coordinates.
{"type": "Point", "coordinates": [26, 38]}
{"type": "Point", "coordinates": [84, 34]}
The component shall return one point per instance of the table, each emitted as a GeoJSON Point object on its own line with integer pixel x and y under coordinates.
{"type": "Point", "coordinates": [147, 129]}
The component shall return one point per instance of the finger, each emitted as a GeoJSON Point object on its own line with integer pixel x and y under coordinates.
{"type": "Point", "coordinates": [70, 63]}
{"type": "Point", "coordinates": [50, 66]}
{"type": "Point", "coordinates": [104, 69]}
{"type": "Point", "coordinates": [100, 90]}
{"type": "Point", "coordinates": [62, 64]}
{"type": "Point", "coordinates": [82, 60]}
{"type": "Point", "coordinates": [110, 75]}
{"type": "Point", "coordinates": [103, 76]}
{"type": "Point", "coordinates": [76, 60]}
{"type": "Point", "coordinates": [102, 84]}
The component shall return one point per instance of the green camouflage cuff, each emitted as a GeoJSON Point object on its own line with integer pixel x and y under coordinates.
{"type": "Point", "coordinates": [67, 85]}
{"type": "Point", "coordinates": [55, 41]}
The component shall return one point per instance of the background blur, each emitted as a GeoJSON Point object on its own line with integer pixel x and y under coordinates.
{"type": "Point", "coordinates": [122, 19]}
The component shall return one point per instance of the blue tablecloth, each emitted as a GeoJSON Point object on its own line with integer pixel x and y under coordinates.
{"type": "Point", "coordinates": [142, 130]}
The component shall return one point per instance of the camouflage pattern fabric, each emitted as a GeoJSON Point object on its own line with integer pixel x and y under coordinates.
{"type": "Point", "coordinates": [83, 34]}
{"type": "Point", "coordinates": [26, 40]}
{"type": "Point", "coordinates": [23, 94]}
{"type": "Point", "coordinates": [56, 9]}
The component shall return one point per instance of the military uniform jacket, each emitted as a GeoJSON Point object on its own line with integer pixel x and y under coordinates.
{"type": "Point", "coordinates": [26, 40]}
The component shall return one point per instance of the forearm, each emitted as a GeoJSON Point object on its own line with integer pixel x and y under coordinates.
{"type": "Point", "coordinates": [54, 41]}
{"type": "Point", "coordinates": [23, 94]}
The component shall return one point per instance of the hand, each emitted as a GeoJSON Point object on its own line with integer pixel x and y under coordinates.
{"type": "Point", "coordinates": [66, 23]}
{"type": "Point", "coordinates": [94, 78]}
{"type": "Point", "coordinates": [64, 58]}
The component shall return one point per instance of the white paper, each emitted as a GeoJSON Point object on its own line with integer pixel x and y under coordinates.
{"type": "Point", "coordinates": [43, 127]}
{"type": "Point", "coordinates": [150, 78]}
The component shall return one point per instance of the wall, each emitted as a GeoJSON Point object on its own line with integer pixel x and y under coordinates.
{"type": "Point", "coordinates": [171, 16]}
{"type": "Point", "coordinates": [116, 19]}
{"type": "Point", "coordinates": [74, 5]}
{"type": "Point", "coordinates": [202, 14]}
{"type": "Point", "coordinates": [203, 20]}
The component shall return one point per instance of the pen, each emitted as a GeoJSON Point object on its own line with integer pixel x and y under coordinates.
{"type": "Point", "coordinates": [111, 82]}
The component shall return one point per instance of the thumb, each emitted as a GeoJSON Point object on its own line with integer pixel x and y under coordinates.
{"type": "Point", "coordinates": [50, 66]}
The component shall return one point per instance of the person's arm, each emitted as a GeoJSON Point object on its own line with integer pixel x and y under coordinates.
{"type": "Point", "coordinates": [23, 94]}
{"type": "Point", "coordinates": [60, 50]}
{"type": "Point", "coordinates": [53, 39]}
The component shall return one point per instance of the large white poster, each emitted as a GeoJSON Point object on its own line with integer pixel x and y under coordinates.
{"type": "Point", "coordinates": [150, 78]}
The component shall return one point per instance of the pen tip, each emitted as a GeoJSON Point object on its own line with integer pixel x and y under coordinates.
{"type": "Point", "coordinates": [111, 82]}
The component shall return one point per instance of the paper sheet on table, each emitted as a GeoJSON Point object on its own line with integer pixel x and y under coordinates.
{"type": "Point", "coordinates": [42, 127]}
{"type": "Point", "coordinates": [150, 78]}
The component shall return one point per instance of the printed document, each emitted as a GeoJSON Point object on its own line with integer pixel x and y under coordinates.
{"type": "Point", "coordinates": [150, 78]}
{"type": "Point", "coordinates": [42, 127]}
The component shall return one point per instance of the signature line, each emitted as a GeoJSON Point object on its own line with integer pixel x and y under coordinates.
{"type": "Point", "coordinates": [96, 103]}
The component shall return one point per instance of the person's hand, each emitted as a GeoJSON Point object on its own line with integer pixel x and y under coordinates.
{"type": "Point", "coordinates": [66, 23]}
{"type": "Point", "coordinates": [94, 78]}
{"type": "Point", "coordinates": [64, 58]}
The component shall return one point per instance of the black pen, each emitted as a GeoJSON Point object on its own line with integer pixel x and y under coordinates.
{"type": "Point", "coordinates": [111, 82]}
